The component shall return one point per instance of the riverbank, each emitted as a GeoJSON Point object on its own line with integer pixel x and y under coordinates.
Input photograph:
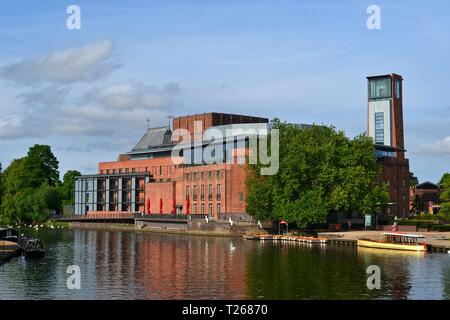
{"type": "Point", "coordinates": [198, 228]}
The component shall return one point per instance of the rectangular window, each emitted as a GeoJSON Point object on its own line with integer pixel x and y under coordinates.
{"type": "Point", "coordinates": [195, 208]}
{"type": "Point", "coordinates": [379, 127]}
{"type": "Point", "coordinates": [187, 192]}
{"type": "Point", "coordinates": [219, 209]}
{"type": "Point", "coordinates": [218, 195]}
{"type": "Point", "coordinates": [218, 174]}
{"type": "Point", "coordinates": [195, 192]}
{"type": "Point", "coordinates": [87, 196]}
{"type": "Point", "coordinates": [210, 192]}
{"type": "Point", "coordinates": [210, 175]}
{"type": "Point", "coordinates": [202, 209]}
{"type": "Point", "coordinates": [210, 211]}
{"type": "Point", "coordinates": [202, 193]}
{"type": "Point", "coordinates": [379, 88]}
{"type": "Point", "coordinates": [241, 196]}
{"type": "Point", "coordinates": [397, 89]}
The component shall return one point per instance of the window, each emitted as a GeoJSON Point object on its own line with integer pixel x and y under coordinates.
{"type": "Point", "coordinates": [120, 170]}
{"type": "Point", "coordinates": [241, 196]}
{"type": "Point", "coordinates": [87, 196]}
{"type": "Point", "coordinates": [379, 88]}
{"type": "Point", "coordinates": [397, 89]}
{"type": "Point", "coordinates": [107, 171]}
{"type": "Point", "coordinates": [114, 170]}
{"type": "Point", "coordinates": [218, 174]}
{"type": "Point", "coordinates": [202, 193]}
{"type": "Point", "coordinates": [195, 192]}
{"type": "Point", "coordinates": [210, 192]}
{"type": "Point", "coordinates": [219, 196]}
{"type": "Point", "coordinates": [210, 175]}
{"type": "Point", "coordinates": [210, 209]}
{"type": "Point", "coordinates": [133, 170]}
{"type": "Point", "coordinates": [202, 209]}
{"type": "Point", "coordinates": [195, 208]}
{"type": "Point", "coordinates": [379, 127]}
{"type": "Point", "coordinates": [203, 176]}
{"type": "Point", "coordinates": [218, 208]}
{"type": "Point", "coordinates": [187, 192]}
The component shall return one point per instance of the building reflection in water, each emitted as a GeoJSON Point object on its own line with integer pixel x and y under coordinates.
{"type": "Point", "coordinates": [157, 266]}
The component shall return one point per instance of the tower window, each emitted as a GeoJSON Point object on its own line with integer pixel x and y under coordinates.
{"type": "Point", "coordinates": [379, 128]}
{"type": "Point", "coordinates": [397, 89]}
{"type": "Point", "coordinates": [379, 88]}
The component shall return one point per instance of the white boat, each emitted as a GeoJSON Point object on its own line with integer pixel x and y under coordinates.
{"type": "Point", "coordinates": [396, 241]}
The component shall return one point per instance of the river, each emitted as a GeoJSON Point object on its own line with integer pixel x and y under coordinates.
{"type": "Point", "coordinates": [142, 265]}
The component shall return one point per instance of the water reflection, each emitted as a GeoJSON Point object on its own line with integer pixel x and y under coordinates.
{"type": "Point", "coordinates": [129, 265]}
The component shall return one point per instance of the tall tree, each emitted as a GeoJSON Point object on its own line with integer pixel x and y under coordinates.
{"type": "Point", "coordinates": [68, 187]}
{"type": "Point", "coordinates": [445, 196]}
{"type": "Point", "coordinates": [1, 184]}
{"type": "Point", "coordinates": [41, 166]}
{"type": "Point", "coordinates": [320, 170]}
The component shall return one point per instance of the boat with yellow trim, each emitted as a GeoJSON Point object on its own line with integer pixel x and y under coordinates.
{"type": "Point", "coordinates": [396, 241]}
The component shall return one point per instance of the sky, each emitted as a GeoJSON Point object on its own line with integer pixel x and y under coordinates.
{"type": "Point", "coordinates": [88, 92]}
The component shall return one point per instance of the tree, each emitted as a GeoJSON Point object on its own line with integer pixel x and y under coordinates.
{"type": "Point", "coordinates": [1, 184]}
{"type": "Point", "coordinates": [30, 187]}
{"type": "Point", "coordinates": [444, 212]}
{"type": "Point", "coordinates": [41, 166]}
{"type": "Point", "coordinates": [320, 170]}
{"type": "Point", "coordinates": [67, 188]}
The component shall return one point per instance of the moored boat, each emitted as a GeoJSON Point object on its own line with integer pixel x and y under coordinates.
{"type": "Point", "coordinates": [31, 247]}
{"type": "Point", "coordinates": [396, 241]}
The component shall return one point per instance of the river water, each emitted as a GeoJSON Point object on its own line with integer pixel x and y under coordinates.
{"type": "Point", "coordinates": [137, 265]}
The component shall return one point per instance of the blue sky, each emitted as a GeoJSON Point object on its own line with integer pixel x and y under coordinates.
{"type": "Point", "coordinates": [88, 92]}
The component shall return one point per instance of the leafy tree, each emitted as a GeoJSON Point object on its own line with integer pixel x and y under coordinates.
{"type": "Point", "coordinates": [320, 170]}
{"type": "Point", "coordinates": [67, 188]}
{"type": "Point", "coordinates": [30, 187]}
{"type": "Point", "coordinates": [444, 212]}
{"type": "Point", "coordinates": [41, 166]}
{"type": "Point", "coordinates": [1, 184]}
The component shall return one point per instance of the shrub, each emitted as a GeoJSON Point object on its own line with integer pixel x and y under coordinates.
{"type": "Point", "coordinates": [441, 227]}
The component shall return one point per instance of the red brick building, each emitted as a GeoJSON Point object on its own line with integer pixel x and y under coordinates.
{"type": "Point", "coordinates": [146, 179]}
{"type": "Point", "coordinates": [385, 126]}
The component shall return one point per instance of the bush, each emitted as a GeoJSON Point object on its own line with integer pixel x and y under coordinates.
{"type": "Point", "coordinates": [431, 217]}
{"type": "Point", "coordinates": [441, 227]}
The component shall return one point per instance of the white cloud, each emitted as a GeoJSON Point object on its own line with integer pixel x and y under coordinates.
{"type": "Point", "coordinates": [45, 97]}
{"type": "Point", "coordinates": [439, 148]}
{"type": "Point", "coordinates": [133, 95]}
{"type": "Point", "coordinates": [87, 63]}
{"type": "Point", "coordinates": [102, 111]}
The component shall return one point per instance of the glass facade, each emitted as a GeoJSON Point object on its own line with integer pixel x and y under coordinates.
{"type": "Point", "coordinates": [379, 88]}
{"type": "Point", "coordinates": [379, 128]}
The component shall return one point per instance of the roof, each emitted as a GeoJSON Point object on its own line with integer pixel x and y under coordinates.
{"type": "Point", "coordinates": [427, 185]}
{"type": "Point", "coordinates": [154, 137]}
{"type": "Point", "coordinates": [404, 234]}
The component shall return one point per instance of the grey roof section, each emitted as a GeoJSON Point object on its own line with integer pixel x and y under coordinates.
{"type": "Point", "coordinates": [154, 137]}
